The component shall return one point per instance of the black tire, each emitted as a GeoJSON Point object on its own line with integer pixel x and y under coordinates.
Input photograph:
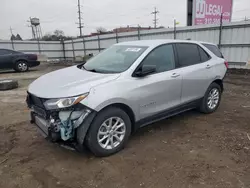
{"type": "Point", "coordinates": [21, 66]}
{"type": "Point", "coordinates": [204, 107]}
{"type": "Point", "coordinates": [8, 84]}
{"type": "Point", "coordinates": [91, 138]}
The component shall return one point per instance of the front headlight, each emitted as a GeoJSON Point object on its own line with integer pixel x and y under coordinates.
{"type": "Point", "coordinates": [53, 104]}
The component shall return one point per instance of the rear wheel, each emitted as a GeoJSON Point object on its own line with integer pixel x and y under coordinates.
{"type": "Point", "coordinates": [211, 100]}
{"type": "Point", "coordinates": [22, 66]}
{"type": "Point", "coordinates": [109, 132]}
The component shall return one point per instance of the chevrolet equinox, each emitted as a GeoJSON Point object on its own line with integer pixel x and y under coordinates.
{"type": "Point", "coordinates": [129, 85]}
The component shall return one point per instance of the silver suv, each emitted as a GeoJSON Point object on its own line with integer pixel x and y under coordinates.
{"type": "Point", "coordinates": [100, 103]}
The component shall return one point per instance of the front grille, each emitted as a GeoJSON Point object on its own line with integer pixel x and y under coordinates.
{"type": "Point", "coordinates": [37, 104]}
{"type": "Point", "coordinates": [36, 101]}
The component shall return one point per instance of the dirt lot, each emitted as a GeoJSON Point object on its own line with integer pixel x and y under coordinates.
{"type": "Point", "coordinates": [190, 150]}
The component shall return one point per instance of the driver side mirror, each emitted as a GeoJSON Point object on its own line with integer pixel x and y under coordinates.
{"type": "Point", "coordinates": [145, 70]}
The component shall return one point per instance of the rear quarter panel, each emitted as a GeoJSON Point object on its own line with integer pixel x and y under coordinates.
{"type": "Point", "coordinates": [17, 57]}
{"type": "Point", "coordinates": [219, 69]}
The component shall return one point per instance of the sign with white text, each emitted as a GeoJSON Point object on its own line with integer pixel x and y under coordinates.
{"type": "Point", "coordinates": [210, 11]}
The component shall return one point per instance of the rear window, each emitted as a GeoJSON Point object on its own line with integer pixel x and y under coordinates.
{"type": "Point", "coordinates": [214, 49]}
{"type": "Point", "coordinates": [204, 56]}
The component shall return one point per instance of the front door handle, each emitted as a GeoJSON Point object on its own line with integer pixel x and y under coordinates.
{"type": "Point", "coordinates": [175, 75]}
{"type": "Point", "coordinates": [208, 66]}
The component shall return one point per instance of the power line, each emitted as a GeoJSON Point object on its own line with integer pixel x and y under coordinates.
{"type": "Point", "coordinates": [155, 20]}
{"type": "Point", "coordinates": [80, 18]}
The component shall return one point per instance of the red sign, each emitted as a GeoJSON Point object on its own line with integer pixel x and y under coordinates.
{"type": "Point", "coordinates": [209, 11]}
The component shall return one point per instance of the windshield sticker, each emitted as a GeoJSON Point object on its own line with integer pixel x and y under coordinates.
{"type": "Point", "coordinates": [133, 50]}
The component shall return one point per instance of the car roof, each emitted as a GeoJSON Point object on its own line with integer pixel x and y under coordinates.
{"type": "Point", "coordinates": [153, 43]}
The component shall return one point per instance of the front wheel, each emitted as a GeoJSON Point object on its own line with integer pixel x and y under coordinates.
{"type": "Point", "coordinates": [211, 100]}
{"type": "Point", "coordinates": [109, 132]}
{"type": "Point", "coordinates": [21, 66]}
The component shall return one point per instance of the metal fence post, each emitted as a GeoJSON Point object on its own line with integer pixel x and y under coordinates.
{"type": "Point", "coordinates": [12, 43]}
{"type": "Point", "coordinates": [84, 46]}
{"type": "Point", "coordinates": [174, 29]}
{"type": "Point", "coordinates": [39, 47]}
{"type": "Point", "coordinates": [73, 49]}
{"type": "Point", "coordinates": [63, 47]}
{"type": "Point", "coordinates": [220, 32]}
{"type": "Point", "coordinates": [116, 36]}
{"type": "Point", "coordinates": [99, 44]}
{"type": "Point", "coordinates": [139, 32]}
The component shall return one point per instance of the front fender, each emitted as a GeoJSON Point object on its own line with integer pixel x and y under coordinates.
{"type": "Point", "coordinates": [110, 102]}
{"type": "Point", "coordinates": [82, 130]}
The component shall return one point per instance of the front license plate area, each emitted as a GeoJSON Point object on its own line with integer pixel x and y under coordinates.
{"type": "Point", "coordinates": [42, 125]}
{"type": "Point", "coordinates": [40, 111]}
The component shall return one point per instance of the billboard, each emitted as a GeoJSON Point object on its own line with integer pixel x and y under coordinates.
{"type": "Point", "coordinates": [210, 11]}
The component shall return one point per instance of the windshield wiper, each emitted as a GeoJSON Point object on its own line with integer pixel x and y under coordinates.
{"type": "Point", "coordinates": [92, 70]}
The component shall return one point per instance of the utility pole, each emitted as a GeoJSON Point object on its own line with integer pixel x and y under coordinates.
{"type": "Point", "coordinates": [174, 28]}
{"type": "Point", "coordinates": [80, 18]}
{"type": "Point", "coordinates": [11, 31]}
{"type": "Point", "coordinates": [221, 27]}
{"type": "Point", "coordinates": [139, 32]}
{"type": "Point", "coordinates": [12, 43]}
{"type": "Point", "coordinates": [155, 20]}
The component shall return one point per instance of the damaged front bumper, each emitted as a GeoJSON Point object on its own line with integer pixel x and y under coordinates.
{"type": "Point", "coordinates": [69, 125]}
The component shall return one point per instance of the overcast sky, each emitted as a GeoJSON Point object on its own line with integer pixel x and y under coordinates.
{"type": "Point", "coordinates": [62, 14]}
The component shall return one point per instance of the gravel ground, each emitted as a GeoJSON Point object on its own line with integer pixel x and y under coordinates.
{"type": "Point", "coordinates": [190, 150]}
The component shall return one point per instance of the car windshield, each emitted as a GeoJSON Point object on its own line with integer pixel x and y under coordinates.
{"type": "Point", "coordinates": [115, 59]}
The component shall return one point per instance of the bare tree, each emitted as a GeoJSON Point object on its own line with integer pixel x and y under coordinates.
{"type": "Point", "coordinates": [18, 37]}
{"type": "Point", "coordinates": [13, 37]}
{"type": "Point", "coordinates": [101, 30]}
{"type": "Point", "coordinates": [59, 33]}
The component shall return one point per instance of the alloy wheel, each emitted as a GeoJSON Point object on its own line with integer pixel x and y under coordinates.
{"type": "Point", "coordinates": [111, 133]}
{"type": "Point", "coordinates": [213, 99]}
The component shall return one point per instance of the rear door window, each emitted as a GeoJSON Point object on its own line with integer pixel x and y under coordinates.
{"type": "Point", "coordinates": [216, 51]}
{"type": "Point", "coordinates": [188, 54]}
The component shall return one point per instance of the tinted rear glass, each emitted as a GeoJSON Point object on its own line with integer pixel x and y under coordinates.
{"type": "Point", "coordinates": [188, 54]}
{"type": "Point", "coordinates": [214, 49]}
{"type": "Point", "coordinates": [204, 56]}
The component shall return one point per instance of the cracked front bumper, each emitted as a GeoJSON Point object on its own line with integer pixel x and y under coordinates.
{"type": "Point", "coordinates": [76, 142]}
{"type": "Point", "coordinates": [73, 123]}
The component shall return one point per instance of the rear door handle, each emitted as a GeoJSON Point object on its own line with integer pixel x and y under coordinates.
{"type": "Point", "coordinates": [208, 66]}
{"type": "Point", "coordinates": [175, 75]}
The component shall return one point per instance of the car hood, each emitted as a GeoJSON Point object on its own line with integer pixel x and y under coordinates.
{"type": "Point", "coordinates": [68, 82]}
